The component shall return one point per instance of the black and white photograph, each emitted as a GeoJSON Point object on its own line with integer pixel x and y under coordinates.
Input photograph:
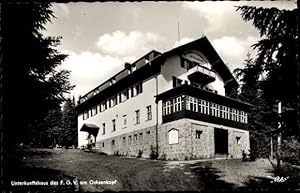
{"type": "Point", "coordinates": [150, 96]}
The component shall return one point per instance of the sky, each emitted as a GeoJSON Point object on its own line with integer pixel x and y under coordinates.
{"type": "Point", "coordinates": [100, 37]}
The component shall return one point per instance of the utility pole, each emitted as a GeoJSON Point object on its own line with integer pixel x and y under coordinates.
{"type": "Point", "coordinates": [279, 137]}
{"type": "Point", "coordinates": [271, 143]}
{"type": "Point", "coordinates": [298, 74]}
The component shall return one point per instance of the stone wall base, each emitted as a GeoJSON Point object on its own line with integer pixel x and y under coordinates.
{"type": "Point", "coordinates": [195, 141]}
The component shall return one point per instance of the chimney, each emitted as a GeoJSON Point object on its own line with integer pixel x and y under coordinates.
{"type": "Point", "coordinates": [126, 65]}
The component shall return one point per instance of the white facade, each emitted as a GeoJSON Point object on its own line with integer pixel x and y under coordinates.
{"type": "Point", "coordinates": [128, 108]}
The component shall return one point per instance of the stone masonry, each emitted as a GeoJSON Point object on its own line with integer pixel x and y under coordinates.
{"type": "Point", "coordinates": [190, 145]}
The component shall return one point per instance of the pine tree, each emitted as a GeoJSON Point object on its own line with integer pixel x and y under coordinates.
{"type": "Point", "coordinates": [32, 83]}
{"type": "Point", "coordinates": [277, 63]}
{"type": "Point", "coordinates": [250, 92]}
{"type": "Point", "coordinates": [69, 123]}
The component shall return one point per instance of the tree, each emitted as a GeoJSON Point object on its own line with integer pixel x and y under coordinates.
{"type": "Point", "coordinates": [59, 126]}
{"type": "Point", "coordinates": [278, 60]}
{"type": "Point", "coordinates": [32, 83]}
{"type": "Point", "coordinates": [250, 92]}
{"type": "Point", "coordinates": [69, 123]}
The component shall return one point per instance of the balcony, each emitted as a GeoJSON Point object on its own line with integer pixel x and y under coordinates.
{"type": "Point", "coordinates": [194, 103]}
{"type": "Point", "coordinates": [201, 75]}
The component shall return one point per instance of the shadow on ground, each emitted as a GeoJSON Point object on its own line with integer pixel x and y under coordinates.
{"type": "Point", "coordinates": [285, 180]}
{"type": "Point", "coordinates": [210, 180]}
{"type": "Point", "coordinates": [40, 178]}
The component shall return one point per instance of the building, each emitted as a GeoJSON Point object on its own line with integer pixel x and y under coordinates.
{"type": "Point", "coordinates": [175, 104]}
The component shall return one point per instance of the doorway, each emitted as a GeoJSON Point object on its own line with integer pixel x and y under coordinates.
{"type": "Point", "coordinates": [221, 141]}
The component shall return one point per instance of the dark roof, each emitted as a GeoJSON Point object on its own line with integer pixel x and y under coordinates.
{"type": "Point", "coordinates": [90, 128]}
{"type": "Point", "coordinates": [204, 46]}
{"type": "Point", "coordinates": [156, 58]}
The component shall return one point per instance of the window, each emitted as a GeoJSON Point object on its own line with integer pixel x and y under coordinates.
{"type": "Point", "coordinates": [113, 142]}
{"type": "Point", "coordinates": [125, 95]}
{"type": "Point", "coordinates": [206, 107]}
{"type": "Point", "coordinates": [137, 116]}
{"type": "Point", "coordinates": [149, 112]}
{"type": "Point", "coordinates": [104, 106]}
{"type": "Point", "coordinates": [238, 140]}
{"type": "Point", "coordinates": [103, 144]}
{"type": "Point", "coordinates": [201, 106]}
{"type": "Point", "coordinates": [222, 113]}
{"type": "Point", "coordinates": [141, 136]}
{"type": "Point", "coordinates": [124, 120]}
{"type": "Point", "coordinates": [99, 108]}
{"type": "Point", "coordinates": [139, 88]}
{"type": "Point", "coordinates": [193, 106]}
{"type": "Point", "coordinates": [112, 81]}
{"type": "Point", "coordinates": [186, 63]}
{"type": "Point", "coordinates": [124, 140]}
{"type": "Point", "coordinates": [114, 125]}
{"type": "Point", "coordinates": [136, 89]}
{"type": "Point", "coordinates": [133, 92]}
{"type": "Point", "coordinates": [103, 128]}
{"type": "Point", "coordinates": [177, 104]}
{"type": "Point", "coordinates": [129, 139]}
{"type": "Point", "coordinates": [176, 82]}
{"type": "Point", "coordinates": [120, 97]}
{"type": "Point", "coordinates": [218, 110]}
{"type": "Point", "coordinates": [198, 134]}
{"type": "Point", "coordinates": [246, 117]}
{"type": "Point", "coordinates": [168, 108]}
{"type": "Point", "coordinates": [233, 114]}
{"type": "Point", "coordinates": [227, 112]}
{"type": "Point", "coordinates": [173, 136]}
{"type": "Point", "coordinates": [135, 137]}
{"type": "Point", "coordinates": [85, 115]}
{"type": "Point", "coordinates": [94, 110]}
{"type": "Point", "coordinates": [238, 115]}
{"type": "Point", "coordinates": [114, 101]}
{"type": "Point", "coordinates": [133, 68]}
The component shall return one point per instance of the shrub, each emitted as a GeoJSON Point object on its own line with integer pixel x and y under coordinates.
{"type": "Point", "coordinates": [153, 154]}
{"type": "Point", "coordinates": [140, 153]}
{"type": "Point", "coordinates": [163, 157]}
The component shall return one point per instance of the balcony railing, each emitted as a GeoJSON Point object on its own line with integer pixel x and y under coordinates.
{"type": "Point", "coordinates": [184, 106]}
{"type": "Point", "coordinates": [201, 74]}
{"type": "Point", "coordinates": [203, 70]}
{"type": "Point", "coordinates": [186, 101]}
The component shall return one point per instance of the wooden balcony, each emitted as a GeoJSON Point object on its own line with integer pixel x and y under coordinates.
{"type": "Point", "coordinates": [201, 75]}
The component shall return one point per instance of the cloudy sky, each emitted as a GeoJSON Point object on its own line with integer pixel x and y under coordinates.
{"type": "Point", "coordinates": [100, 37]}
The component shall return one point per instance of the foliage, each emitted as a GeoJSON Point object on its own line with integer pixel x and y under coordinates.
{"type": "Point", "coordinates": [140, 153]}
{"type": "Point", "coordinates": [58, 127]}
{"type": "Point", "coordinates": [265, 79]}
{"type": "Point", "coordinates": [33, 84]}
{"type": "Point", "coordinates": [153, 153]}
{"type": "Point", "coordinates": [69, 123]}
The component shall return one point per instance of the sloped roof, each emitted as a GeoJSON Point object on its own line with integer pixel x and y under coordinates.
{"type": "Point", "coordinates": [203, 45]}
{"type": "Point", "coordinates": [90, 128]}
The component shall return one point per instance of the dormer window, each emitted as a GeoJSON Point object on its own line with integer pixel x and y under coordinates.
{"type": "Point", "coordinates": [133, 68]}
{"type": "Point", "coordinates": [112, 81]}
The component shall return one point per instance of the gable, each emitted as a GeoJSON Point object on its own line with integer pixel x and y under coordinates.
{"type": "Point", "coordinates": [198, 57]}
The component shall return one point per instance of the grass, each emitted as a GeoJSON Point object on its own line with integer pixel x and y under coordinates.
{"type": "Point", "coordinates": [134, 174]}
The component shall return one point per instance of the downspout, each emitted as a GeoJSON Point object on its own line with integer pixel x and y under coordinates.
{"type": "Point", "coordinates": [156, 104]}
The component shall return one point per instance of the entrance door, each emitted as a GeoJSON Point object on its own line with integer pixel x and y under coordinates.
{"type": "Point", "coordinates": [221, 141]}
